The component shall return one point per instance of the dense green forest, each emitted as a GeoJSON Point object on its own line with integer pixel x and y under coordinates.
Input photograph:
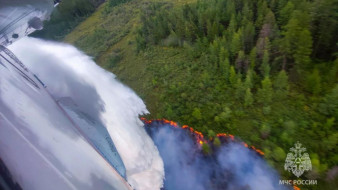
{"type": "Point", "coordinates": [263, 70]}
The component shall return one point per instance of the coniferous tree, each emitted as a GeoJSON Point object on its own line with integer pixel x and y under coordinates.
{"type": "Point", "coordinates": [265, 93]}
{"type": "Point", "coordinates": [285, 13]}
{"type": "Point", "coordinates": [248, 79]}
{"type": "Point", "coordinates": [324, 27]}
{"type": "Point", "coordinates": [262, 9]}
{"type": "Point", "coordinates": [265, 67]}
{"type": "Point", "coordinates": [333, 74]}
{"type": "Point", "coordinates": [240, 89]}
{"type": "Point", "coordinates": [235, 44]}
{"type": "Point", "coordinates": [248, 99]}
{"type": "Point", "coordinates": [232, 25]}
{"type": "Point", "coordinates": [298, 40]}
{"type": "Point", "coordinates": [233, 77]}
{"type": "Point", "coordinates": [304, 48]}
{"type": "Point", "coordinates": [253, 57]}
{"type": "Point", "coordinates": [247, 12]}
{"type": "Point", "coordinates": [240, 61]}
{"type": "Point", "coordinates": [225, 68]}
{"type": "Point", "coordinates": [313, 82]}
{"type": "Point", "coordinates": [223, 54]}
{"type": "Point", "coordinates": [230, 10]}
{"type": "Point", "coordinates": [329, 106]}
{"type": "Point", "coordinates": [248, 36]}
{"type": "Point", "coordinates": [214, 51]}
{"type": "Point", "coordinates": [281, 85]}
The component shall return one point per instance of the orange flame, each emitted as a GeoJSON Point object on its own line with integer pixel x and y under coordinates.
{"type": "Point", "coordinates": [296, 188]}
{"type": "Point", "coordinates": [258, 150]}
{"type": "Point", "coordinates": [221, 135]}
{"type": "Point", "coordinates": [199, 136]}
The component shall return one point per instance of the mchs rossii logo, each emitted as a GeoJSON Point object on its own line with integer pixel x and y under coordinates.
{"type": "Point", "coordinates": [297, 160]}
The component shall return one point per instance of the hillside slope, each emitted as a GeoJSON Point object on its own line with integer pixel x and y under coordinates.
{"type": "Point", "coordinates": [110, 39]}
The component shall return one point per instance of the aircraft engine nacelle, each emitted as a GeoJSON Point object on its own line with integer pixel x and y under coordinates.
{"type": "Point", "coordinates": [19, 18]}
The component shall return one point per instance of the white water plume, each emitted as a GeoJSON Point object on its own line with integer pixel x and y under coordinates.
{"type": "Point", "coordinates": [69, 73]}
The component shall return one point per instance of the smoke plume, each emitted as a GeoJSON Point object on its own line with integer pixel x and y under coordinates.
{"type": "Point", "coordinates": [231, 166]}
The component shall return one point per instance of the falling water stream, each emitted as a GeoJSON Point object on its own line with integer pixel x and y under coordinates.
{"type": "Point", "coordinates": [72, 125]}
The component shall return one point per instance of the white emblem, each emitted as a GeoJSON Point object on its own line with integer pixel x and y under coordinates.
{"type": "Point", "coordinates": [298, 160]}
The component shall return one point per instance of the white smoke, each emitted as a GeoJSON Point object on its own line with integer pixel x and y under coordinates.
{"type": "Point", "coordinates": [67, 72]}
{"type": "Point", "coordinates": [229, 167]}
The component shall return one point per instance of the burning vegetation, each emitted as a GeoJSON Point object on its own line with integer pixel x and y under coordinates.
{"type": "Point", "coordinates": [219, 161]}
{"type": "Point", "coordinates": [199, 137]}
